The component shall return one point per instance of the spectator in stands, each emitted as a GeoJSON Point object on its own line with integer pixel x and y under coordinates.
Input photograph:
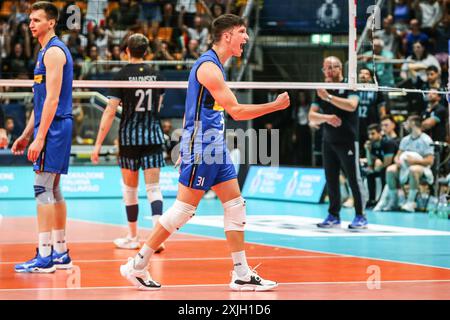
{"type": "Point", "coordinates": [371, 107]}
{"type": "Point", "coordinates": [126, 15]}
{"type": "Point", "coordinates": [414, 36]}
{"type": "Point", "coordinates": [114, 54]}
{"type": "Point", "coordinates": [95, 14]}
{"type": "Point", "coordinates": [388, 126]}
{"type": "Point", "coordinates": [435, 118]}
{"type": "Point", "coordinates": [4, 41]}
{"type": "Point", "coordinates": [431, 13]}
{"type": "Point", "coordinates": [198, 32]}
{"type": "Point", "coordinates": [90, 67]}
{"type": "Point", "coordinates": [380, 152]}
{"type": "Point", "coordinates": [9, 127]}
{"type": "Point", "coordinates": [16, 60]}
{"type": "Point", "coordinates": [442, 58]}
{"type": "Point", "coordinates": [150, 15]}
{"type": "Point", "coordinates": [402, 13]}
{"type": "Point", "coordinates": [193, 51]}
{"type": "Point", "coordinates": [19, 12]}
{"type": "Point", "coordinates": [384, 71]}
{"type": "Point", "coordinates": [412, 164]}
{"type": "Point", "coordinates": [76, 42]}
{"type": "Point", "coordinates": [189, 10]}
{"type": "Point", "coordinates": [389, 36]}
{"type": "Point", "coordinates": [162, 53]}
{"type": "Point", "coordinates": [433, 82]}
{"type": "Point", "coordinates": [101, 39]}
{"type": "Point", "coordinates": [168, 30]}
{"type": "Point", "coordinates": [418, 62]}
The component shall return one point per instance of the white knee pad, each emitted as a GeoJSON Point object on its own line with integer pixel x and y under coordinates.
{"type": "Point", "coordinates": [177, 216]}
{"type": "Point", "coordinates": [234, 215]}
{"type": "Point", "coordinates": [130, 195]}
{"type": "Point", "coordinates": [43, 188]}
{"type": "Point", "coordinates": [153, 192]}
{"type": "Point", "coordinates": [58, 195]}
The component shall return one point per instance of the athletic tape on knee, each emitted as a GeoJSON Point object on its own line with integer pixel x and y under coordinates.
{"type": "Point", "coordinates": [155, 198]}
{"type": "Point", "coordinates": [177, 216]}
{"type": "Point", "coordinates": [153, 192]}
{"type": "Point", "coordinates": [43, 188]}
{"type": "Point", "coordinates": [234, 215]}
{"type": "Point", "coordinates": [130, 195]}
{"type": "Point", "coordinates": [57, 194]}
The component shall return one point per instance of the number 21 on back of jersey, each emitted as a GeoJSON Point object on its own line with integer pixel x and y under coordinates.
{"type": "Point", "coordinates": [141, 94]}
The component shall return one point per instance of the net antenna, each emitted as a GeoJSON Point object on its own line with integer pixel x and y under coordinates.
{"type": "Point", "coordinates": [352, 45]}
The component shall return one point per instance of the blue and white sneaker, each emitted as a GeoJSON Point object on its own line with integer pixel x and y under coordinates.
{"type": "Point", "coordinates": [62, 260]}
{"type": "Point", "coordinates": [330, 222]}
{"type": "Point", "coordinates": [37, 265]}
{"type": "Point", "coordinates": [359, 222]}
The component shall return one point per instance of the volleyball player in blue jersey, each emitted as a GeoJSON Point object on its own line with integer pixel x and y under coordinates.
{"type": "Point", "coordinates": [51, 125]}
{"type": "Point", "coordinates": [205, 162]}
{"type": "Point", "coordinates": [140, 136]}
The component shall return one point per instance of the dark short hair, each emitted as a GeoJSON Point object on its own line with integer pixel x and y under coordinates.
{"type": "Point", "coordinates": [370, 71]}
{"type": "Point", "coordinates": [374, 126]}
{"type": "Point", "coordinates": [432, 68]}
{"type": "Point", "coordinates": [388, 117]}
{"type": "Point", "coordinates": [138, 45]}
{"type": "Point", "coordinates": [415, 120]}
{"type": "Point", "coordinates": [223, 23]}
{"type": "Point", "coordinates": [50, 9]}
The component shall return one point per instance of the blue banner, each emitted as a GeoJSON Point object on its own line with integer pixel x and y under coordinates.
{"type": "Point", "coordinates": [291, 184]}
{"type": "Point", "coordinates": [311, 16]}
{"type": "Point", "coordinates": [82, 182]}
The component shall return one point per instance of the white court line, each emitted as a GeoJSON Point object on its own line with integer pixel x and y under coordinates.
{"type": "Point", "coordinates": [226, 285]}
{"type": "Point", "coordinates": [109, 241]}
{"type": "Point", "coordinates": [199, 259]}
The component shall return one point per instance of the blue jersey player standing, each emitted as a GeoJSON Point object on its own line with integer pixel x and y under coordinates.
{"type": "Point", "coordinates": [205, 162]}
{"type": "Point", "coordinates": [51, 126]}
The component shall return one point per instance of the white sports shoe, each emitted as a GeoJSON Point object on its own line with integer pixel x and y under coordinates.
{"type": "Point", "coordinates": [251, 282]}
{"type": "Point", "coordinates": [127, 243]}
{"type": "Point", "coordinates": [409, 207]}
{"type": "Point", "coordinates": [139, 278]}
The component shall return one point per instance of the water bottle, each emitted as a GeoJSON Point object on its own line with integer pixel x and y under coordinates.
{"type": "Point", "coordinates": [442, 207]}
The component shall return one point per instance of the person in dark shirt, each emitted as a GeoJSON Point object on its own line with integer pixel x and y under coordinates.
{"type": "Point", "coordinates": [434, 81]}
{"type": "Point", "coordinates": [337, 111]}
{"type": "Point", "coordinates": [140, 136]}
{"type": "Point", "coordinates": [371, 107]}
{"type": "Point", "coordinates": [380, 151]}
{"type": "Point", "coordinates": [435, 118]}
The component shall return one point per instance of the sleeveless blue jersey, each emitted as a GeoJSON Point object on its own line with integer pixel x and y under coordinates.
{"type": "Point", "coordinates": [204, 118]}
{"type": "Point", "coordinates": [64, 109]}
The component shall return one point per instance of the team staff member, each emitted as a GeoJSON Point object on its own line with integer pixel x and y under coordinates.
{"type": "Point", "coordinates": [337, 111]}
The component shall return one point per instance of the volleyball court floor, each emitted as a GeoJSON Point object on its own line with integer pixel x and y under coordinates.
{"type": "Point", "coordinates": [400, 256]}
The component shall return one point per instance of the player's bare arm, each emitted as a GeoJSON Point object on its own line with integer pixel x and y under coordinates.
{"type": "Point", "coordinates": [105, 126]}
{"type": "Point", "coordinates": [211, 77]}
{"type": "Point", "coordinates": [54, 61]}
{"type": "Point", "coordinates": [21, 143]}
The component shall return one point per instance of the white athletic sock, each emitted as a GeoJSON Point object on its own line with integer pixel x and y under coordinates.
{"type": "Point", "coordinates": [143, 257]}
{"type": "Point", "coordinates": [45, 244]}
{"type": "Point", "coordinates": [240, 263]}
{"type": "Point", "coordinates": [59, 241]}
{"type": "Point", "coordinates": [155, 219]}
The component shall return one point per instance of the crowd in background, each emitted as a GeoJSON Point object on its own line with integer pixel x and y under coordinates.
{"type": "Point", "coordinates": [177, 30]}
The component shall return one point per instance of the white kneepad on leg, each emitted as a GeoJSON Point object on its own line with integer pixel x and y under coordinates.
{"type": "Point", "coordinates": [234, 214]}
{"type": "Point", "coordinates": [130, 195]}
{"type": "Point", "coordinates": [57, 194]}
{"type": "Point", "coordinates": [153, 192]}
{"type": "Point", "coordinates": [177, 216]}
